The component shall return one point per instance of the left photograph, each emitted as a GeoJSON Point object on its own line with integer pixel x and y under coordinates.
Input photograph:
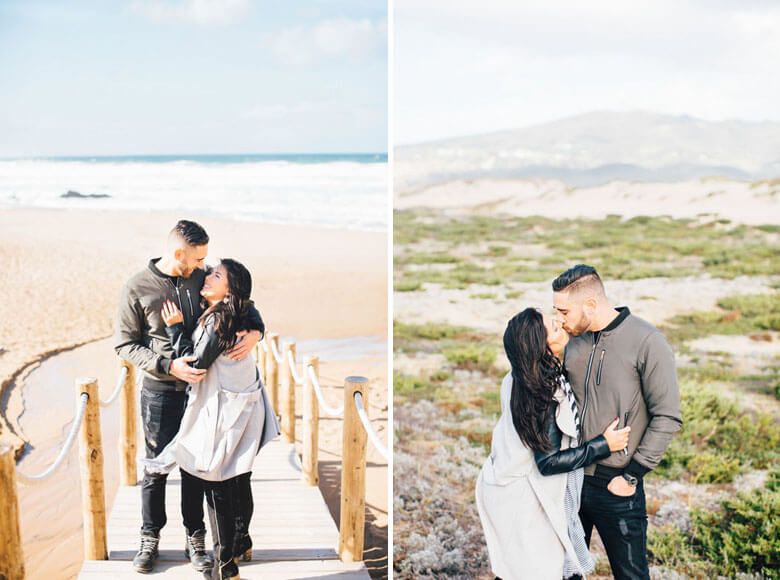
{"type": "Point", "coordinates": [194, 330]}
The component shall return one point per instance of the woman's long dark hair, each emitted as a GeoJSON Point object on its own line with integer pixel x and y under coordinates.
{"type": "Point", "coordinates": [230, 314]}
{"type": "Point", "coordinates": [535, 376]}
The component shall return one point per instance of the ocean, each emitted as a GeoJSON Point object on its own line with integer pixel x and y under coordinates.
{"type": "Point", "coordinates": [347, 191]}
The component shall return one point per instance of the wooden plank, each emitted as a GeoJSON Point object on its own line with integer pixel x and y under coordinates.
{"type": "Point", "coordinates": [293, 533]}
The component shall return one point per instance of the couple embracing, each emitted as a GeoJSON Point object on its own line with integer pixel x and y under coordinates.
{"type": "Point", "coordinates": [203, 405]}
{"type": "Point", "coordinates": [589, 408]}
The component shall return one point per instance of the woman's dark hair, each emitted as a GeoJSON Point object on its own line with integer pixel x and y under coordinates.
{"type": "Point", "coordinates": [230, 314]}
{"type": "Point", "coordinates": [536, 374]}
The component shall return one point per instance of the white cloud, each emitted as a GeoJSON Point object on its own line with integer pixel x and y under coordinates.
{"type": "Point", "coordinates": [204, 12]}
{"type": "Point", "coordinates": [464, 68]}
{"type": "Point", "coordinates": [334, 39]}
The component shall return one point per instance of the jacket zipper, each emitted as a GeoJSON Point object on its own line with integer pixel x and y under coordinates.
{"type": "Point", "coordinates": [601, 366]}
{"type": "Point", "coordinates": [189, 299]}
{"type": "Point", "coordinates": [587, 379]}
{"type": "Point", "coordinates": [178, 296]}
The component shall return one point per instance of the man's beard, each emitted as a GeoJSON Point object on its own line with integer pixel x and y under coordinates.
{"type": "Point", "coordinates": [185, 272]}
{"type": "Point", "coordinates": [581, 327]}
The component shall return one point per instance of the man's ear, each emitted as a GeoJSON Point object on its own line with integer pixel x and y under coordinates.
{"type": "Point", "coordinates": [178, 254]}
{"type": "Point", "coordinates": [590, 303]}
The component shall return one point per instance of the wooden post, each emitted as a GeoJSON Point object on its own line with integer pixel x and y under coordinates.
{"type": "Point", "coordinates": [272, 374]}
{"type": "Point", "coordinates": [93, 501]}
{"type": "Point", "coordinates": [288, 396]}
{"type": "Point", "coordinates": [353, 474]}
{"type": "Point", "coordinates": [260, 358]}
{"type": "Point", "coordinates": [11, 557]}
{"type": "Point", "coordinates": [311, 423]}
{"type": "Point", "coordinates": [128, 425]}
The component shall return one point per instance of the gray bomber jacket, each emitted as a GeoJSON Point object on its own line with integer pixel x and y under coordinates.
{"type": "Point", "coordinates": [626, 370]}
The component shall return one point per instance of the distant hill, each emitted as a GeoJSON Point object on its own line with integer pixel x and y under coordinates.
{"type": "Point", "coordinates": [599, 147]}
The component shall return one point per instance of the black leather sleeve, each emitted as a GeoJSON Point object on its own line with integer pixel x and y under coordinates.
{"type": "Point", "coordinates": [205, 348]}
{"type": "Point", "coordinates": [254, 321]}
{"type": "Point", "coordinates": [562, 461]}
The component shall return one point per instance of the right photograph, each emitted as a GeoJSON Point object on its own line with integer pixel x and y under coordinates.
{"type": "Point", "coordinates": [586, 369]}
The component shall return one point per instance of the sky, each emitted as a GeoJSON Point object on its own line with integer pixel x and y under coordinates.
{"type": "Point", "coordinates": [143, 77]}
{"type": "Point", "coordinates": [464, 67]}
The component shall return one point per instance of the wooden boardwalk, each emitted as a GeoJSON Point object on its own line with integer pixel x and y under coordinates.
{"type": "Point", "coordinates": [292, 530]}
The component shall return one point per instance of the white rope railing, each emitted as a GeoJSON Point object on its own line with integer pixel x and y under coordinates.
{"type": "Point", "coordinates": [119, 384]}
{"type": "Point", "coordinates": [33, 479]}
{"type": "Point", "coordinates": [294, 369]}
{"type": "Point", "coordinates": [332, 411]}
{"type": "Point", "coordinates": [275, 351]}
{"type": "Point", "coordinates": [373, 437]}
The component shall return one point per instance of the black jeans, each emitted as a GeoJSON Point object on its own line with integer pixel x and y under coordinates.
{"type": "Point", "coordinates": [245, 505]}
{"type": "Point", "coordinates": [622, 526]}
{"type": "Point", "coordinates": [161, 414]}
{"type": "Point", "coordinates": [223, 505]}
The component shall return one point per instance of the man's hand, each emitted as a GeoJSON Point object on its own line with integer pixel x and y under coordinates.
{"type": "Point", "coordinates": [620, 487]}
{"type": "Point", "coordinates": [183, 371]}
{"type": "Point", "coordinates": [243, 347]}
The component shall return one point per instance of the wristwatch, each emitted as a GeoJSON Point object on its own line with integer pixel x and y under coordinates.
{"type": "Point", "coordinates": [632, 481]}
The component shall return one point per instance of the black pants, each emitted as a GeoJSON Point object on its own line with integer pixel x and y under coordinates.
{"type": "Point", "coordinates": [622, 526]}
{"type": "Point", "coordinates": [161, 414]}
{"type": "Point", "coordinates": [244, 508]}
{"type": "Point", "coordinates": [225, 500]}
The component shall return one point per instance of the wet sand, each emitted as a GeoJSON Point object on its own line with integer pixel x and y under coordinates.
{"type": "Point", "coordinates": [62, 274]}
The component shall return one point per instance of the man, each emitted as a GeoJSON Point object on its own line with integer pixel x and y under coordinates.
{"type": "Point", "coordinates": [141, 339]}
{"type": "Point", "coordinates": [620, 366]}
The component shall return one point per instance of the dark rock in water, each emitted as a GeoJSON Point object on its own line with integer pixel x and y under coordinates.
{"type": "Point", "coordinates": [78, 195]}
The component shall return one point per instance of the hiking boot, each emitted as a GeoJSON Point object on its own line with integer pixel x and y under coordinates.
{"type": "Point", "coordinates": [242, 548]}
{"type": "Point", "coordinates": [144, 559]}
{"type": "Point", "coordinates": [195, 551]}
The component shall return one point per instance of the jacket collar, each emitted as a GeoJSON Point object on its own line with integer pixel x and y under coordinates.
{"type": "Point", "coordinates": [624, 313]}
{"type": "Point", "coordinates": [157, 272]}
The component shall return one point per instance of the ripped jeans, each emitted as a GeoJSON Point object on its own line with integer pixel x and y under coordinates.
{"type": "Point", "coordinates": [622, 526]}
{"type": "Point", "coordinates": [161, 415]}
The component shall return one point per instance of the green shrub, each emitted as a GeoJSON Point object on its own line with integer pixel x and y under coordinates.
{"type": "Point", "coordinates": [718, 440]}
{"type": "Point", "coordinates": [471, 356]}
{"type": "Point", "coordinates": [745, 535]}
{"type": "Point", "coordinates": [426, 331]}
{"type": "Point", "coordinates": [671, 548]}
{"type": "Point", "coordinates": [407, 286]}
{"type": "Point", "coordinates": [406, 386]}
{"type": "Point", "coordinates": [709, 467]}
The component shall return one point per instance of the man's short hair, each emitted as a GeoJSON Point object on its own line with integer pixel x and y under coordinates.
{"type": "Point", "coordinates": [578, 277]}
{"type": "Point", "coordinates": [191, 233]}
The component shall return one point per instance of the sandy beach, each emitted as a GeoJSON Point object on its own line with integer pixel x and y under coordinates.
{"type": "Point", "coordinates": [62, 273]}
{"type": "Point", "coordinates": [738, 201]}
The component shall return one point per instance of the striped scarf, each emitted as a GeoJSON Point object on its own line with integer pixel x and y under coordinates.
{"type": "Point", "coordinates": [582, 562]}
{"type": "Point", "coordinates": [573, 406]}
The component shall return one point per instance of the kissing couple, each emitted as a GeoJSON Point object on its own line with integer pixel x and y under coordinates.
{"type": "Point", "coordinates": [191, 332]}
{"type": "Point", "coordinates": [589, 408]}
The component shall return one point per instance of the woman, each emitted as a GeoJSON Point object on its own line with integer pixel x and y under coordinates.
{"type": "Point", "coordinates": [529, 488]}
{"type": "Point", "coordinates": [228, 416]}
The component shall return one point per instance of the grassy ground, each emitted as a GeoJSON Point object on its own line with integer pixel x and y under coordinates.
{"type": "Point", "coordinates": [725, 462]}
{"type": "Point", "coordinates": [494, 251]}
